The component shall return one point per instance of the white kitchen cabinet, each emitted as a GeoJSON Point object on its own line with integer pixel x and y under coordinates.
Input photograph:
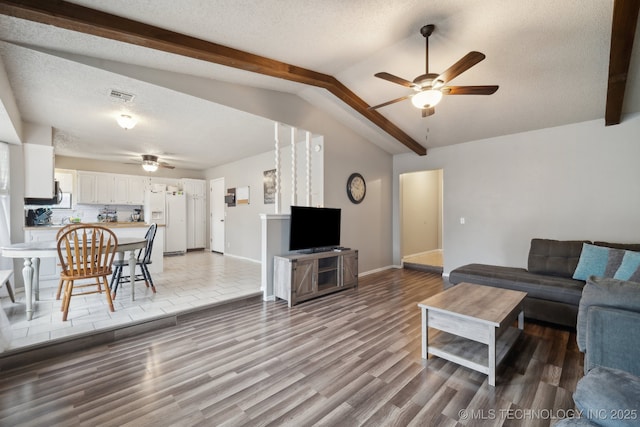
{"type": "Point", "coordinates": [39, 172]}
{"type": "Point", "coordinates": [195, 189]}
{"type": "Point", "coordinates": [105, 188]}
{"type": "Point", "coordinates": [110, 189]}
{"type": "Point", "coordinates": [95, 188]}
{"type": "Point", "coordinates": [199, 222]}
{"type": "Point", "coordinates": [136, 185]}
{"type": "Point", "coordinates": [120, 189]}
{"type": "Point", "coordinates": [86, 188]}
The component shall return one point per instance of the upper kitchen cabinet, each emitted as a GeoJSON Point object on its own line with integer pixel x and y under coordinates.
{"type": "Point", "coordinates": [38, 171]}
{"type": "Point", "coordinates": [194, 187]}
{"type": "Point", "coordinates": [129, 190]}
{"type": "Point", "coordinates": [87, 191]}
{"type": "Point", "coordinates": [105, 189]}
{"type": "Point", "coordinates": [110, 189]}
{"type": "Point", "coordinates": [95, 188]}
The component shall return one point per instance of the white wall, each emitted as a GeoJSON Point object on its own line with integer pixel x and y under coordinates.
{"type": "Point", "coordinates": [578, 181]}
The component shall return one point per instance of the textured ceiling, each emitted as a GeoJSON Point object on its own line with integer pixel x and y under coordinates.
{"type": "Point", "coordinates": [550, 59]}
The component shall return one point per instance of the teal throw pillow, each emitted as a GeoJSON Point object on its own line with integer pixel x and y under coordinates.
{"type": "Point", "coordinates": [630, 267]}
{"type": "Point", "coordinates": [593, 262]}
{"type": "Point", "coordinates": [615, 259]}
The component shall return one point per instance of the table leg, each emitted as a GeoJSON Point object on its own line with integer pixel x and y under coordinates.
{"type": "Point", "coordinates": [27, 275]}
{"type": "Point", "coordinates": [492, 356]}
{"type": "Point", "coordinates": [36, 277]}
{"type": "Point", "coordinates": [132, 273]}
{"type": "Point", "coordinates": [425, 332]}
{"type": "Point", "coordinates": [521, 320]}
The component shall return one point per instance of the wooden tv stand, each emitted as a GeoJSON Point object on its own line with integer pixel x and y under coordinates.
{"type": "Point", "coordinates": [299, 277]}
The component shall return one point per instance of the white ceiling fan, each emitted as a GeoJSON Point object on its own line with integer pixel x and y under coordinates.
{"type": "Point", "coordinates": [150, 163]}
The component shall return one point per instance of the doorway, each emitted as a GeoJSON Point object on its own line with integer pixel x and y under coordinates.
{"type": "Point", "coordinates": [421, 196]}
{"type": "Point", "coordinates": [216, 207]}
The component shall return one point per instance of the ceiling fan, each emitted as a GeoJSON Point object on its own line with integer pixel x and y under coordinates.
{"type": "Point", "coordinates": [150, 163]}
{"type": "Point", "coordinates": [429, 87]}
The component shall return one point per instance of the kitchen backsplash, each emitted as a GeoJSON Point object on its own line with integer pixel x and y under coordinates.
{"type": "Point", "coordinates": [89, 213]}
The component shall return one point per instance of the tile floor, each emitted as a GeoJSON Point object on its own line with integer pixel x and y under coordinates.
{"type": "Point", "coordinates": [427, 258]}
{"type": "Point", "coordinates": [187, 282]}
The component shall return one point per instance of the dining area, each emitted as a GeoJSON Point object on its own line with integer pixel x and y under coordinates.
{"type": "Point", "coordinates": [191, 282]}
{"type": "Point", "coordinates": [85, 253]}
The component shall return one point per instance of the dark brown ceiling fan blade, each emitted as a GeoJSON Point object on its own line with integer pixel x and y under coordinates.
{"type": "Point", "coordinates": [469, 90]}
{"type": "Point", "coordinates": [394, 79]}
{"type": "Point", "coordinates": [428, 111]}
{"type": "Point", "coordinates": [623, 29]}
{"type": "Point", "coordinates": [466, 62]}
{"type": "Point", "coordinates": [393, 101]}
{"type": "Point", "coordinates": [166, 165]}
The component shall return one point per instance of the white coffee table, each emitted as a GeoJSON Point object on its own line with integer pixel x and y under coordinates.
{"type": "Point", "coordinates": [475, 325]}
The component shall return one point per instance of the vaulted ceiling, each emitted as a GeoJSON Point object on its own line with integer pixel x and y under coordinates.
{"type": "Point", "coordinates": [551, 60]}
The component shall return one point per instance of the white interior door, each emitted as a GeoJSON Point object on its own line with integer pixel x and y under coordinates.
{"type": "Point", "coordinates": [217, 214]}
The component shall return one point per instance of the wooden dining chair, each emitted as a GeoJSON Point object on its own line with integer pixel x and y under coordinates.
{"type": "Point", "coordinates": [143, 259]}
{"type": "Point", "coordinates": [60, 232]}
{"type": "Point", "coordinates": [86, 252]}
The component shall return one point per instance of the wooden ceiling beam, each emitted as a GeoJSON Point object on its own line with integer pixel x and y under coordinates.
{"type": "Point", "coordinates": [623, 30]}
{"type": "Point", "coordinates": [90, 21]}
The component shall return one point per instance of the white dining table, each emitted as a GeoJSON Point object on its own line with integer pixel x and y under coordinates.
{"type": "Point", "coordinates": [31, 252]}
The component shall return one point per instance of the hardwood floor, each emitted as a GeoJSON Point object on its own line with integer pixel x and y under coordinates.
{"type": "Point", "coordinates": [347, 359]}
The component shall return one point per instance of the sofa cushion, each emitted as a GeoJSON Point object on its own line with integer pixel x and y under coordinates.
{"type": "Point", "coordinates": [614, 261]}
{"type": "Point", "coordinates": [609, 397]}
{"type": "Point", "coordinates": [605, 292]}
{"type": "Point", "coordinates": [630, 267]}
{"type": "Point", "coordinates": [616, 254]}
{"type": "Point", "coordinates": [554, 257]}
{"type": "Point", "coordinates": [626, 246]}
{"type": "Point", "coordinates": [593, 261]}
{"type": "Point", "coordinates": [535, 285]}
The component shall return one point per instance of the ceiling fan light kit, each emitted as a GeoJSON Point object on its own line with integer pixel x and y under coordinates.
{"type": "Point", "coordinates": [426, 98]}
{"type": "Point", "coordinates": [430, 87]}
{"type": "Point", "coordinates": [126, 121]}
{"type": "Point", "coordinates": [149, 163]}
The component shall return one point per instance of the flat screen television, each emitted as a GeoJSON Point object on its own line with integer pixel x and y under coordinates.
{"type": "Point", "coordinates": [314, 229]}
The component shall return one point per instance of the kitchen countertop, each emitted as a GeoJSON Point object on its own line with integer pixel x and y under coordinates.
{"type": "Point", "coordinates": [120, 224]}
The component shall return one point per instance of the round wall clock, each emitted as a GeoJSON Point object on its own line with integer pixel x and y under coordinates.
{"type": "Point", "coordinates": [356, 188]}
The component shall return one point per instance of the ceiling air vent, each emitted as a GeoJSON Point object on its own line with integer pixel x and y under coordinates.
{"type": "Point", "coordinates": [122, 96]}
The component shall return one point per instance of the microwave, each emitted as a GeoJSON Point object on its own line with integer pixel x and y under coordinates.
{"type": "Point", "coordinates": [55, 200]}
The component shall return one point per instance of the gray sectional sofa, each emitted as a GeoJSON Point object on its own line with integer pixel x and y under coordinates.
{"type": "Point", "coordinates": [608, 333]}
{"type": "Point", "coordinates": [553, 295]}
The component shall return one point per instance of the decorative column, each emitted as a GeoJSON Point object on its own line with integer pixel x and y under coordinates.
{"type": "Point", "coordinates": [294, 172]}
{"type": "Point", "coordinates": [308, 147]}
{"type": "Point", "coordinates": [277, 177]}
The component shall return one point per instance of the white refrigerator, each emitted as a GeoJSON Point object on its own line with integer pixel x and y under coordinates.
{"type": "Point", "coordinates": [154, 207]}
{"type": "Point", "coordinates": [175, 233]}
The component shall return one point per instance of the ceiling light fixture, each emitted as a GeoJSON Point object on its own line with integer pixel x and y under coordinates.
{"type": "Point", "coordinates": [126, 121]}
{"type": "Point", "coordinates": [426, 99]}
{"type": "Point", "coordinates": [149, 163]}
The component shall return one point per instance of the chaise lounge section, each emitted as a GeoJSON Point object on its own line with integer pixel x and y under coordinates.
{"type": "Point", "coordinates": [553, 295]}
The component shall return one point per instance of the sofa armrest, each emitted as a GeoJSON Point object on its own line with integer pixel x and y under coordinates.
{"type": "Point", "coordinates": [613, 339]}
{"type": "Point", "coordinates": [605, 292]}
